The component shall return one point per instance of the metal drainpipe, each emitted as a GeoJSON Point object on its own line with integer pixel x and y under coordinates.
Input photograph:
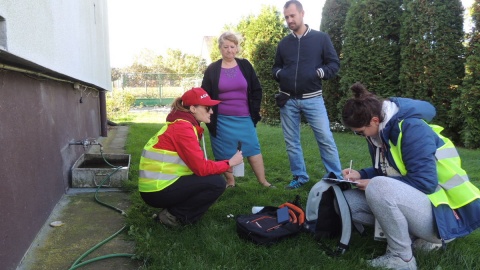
{"type": "Point", "coordinates": [103, 114]}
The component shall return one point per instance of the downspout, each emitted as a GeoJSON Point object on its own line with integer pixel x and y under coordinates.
{"type": "Point", "coordinates": [103, 113]}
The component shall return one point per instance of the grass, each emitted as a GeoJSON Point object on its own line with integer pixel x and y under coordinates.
{"type": "Point", "coordinates": [213, 243]}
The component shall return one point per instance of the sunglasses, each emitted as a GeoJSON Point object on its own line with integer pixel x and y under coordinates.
{"type": "Point", "coordinates": [207, 108]}
{"type": "Point", "coordinates": [361, 132]}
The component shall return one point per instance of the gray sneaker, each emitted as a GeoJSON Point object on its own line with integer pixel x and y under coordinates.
{"type": "Point", "coordinates": [390, 261]}
{"type": "Point", "coordinates": [167, 219]}
{"type": "Point", "coordinates": [423, 245]}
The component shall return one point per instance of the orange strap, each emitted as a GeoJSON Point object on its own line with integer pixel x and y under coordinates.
{"type": "Point", "coordinates": [295, 211]}
{"type": "Point", "coordinates": [293, 217]}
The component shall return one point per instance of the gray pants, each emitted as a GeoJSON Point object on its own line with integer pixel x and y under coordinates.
{"type": "Point", "coordinates": [402, 211]}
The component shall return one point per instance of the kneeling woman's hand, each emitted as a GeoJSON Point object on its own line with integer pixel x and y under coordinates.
{"type": "Point", "coordinates": [236, 159]}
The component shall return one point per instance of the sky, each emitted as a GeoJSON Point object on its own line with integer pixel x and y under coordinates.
{"type": "Point", "coordinates": [181, 24]}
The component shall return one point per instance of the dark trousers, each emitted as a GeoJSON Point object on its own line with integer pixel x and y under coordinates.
{"type": "Point", "coordinates": [189, 197]}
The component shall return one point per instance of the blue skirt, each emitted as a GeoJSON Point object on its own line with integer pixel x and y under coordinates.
{"type": "Point", "coordinates": [231, 130]}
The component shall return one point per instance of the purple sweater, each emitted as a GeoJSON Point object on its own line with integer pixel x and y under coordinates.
{"type": "Point", "coordinates": [233, 93]}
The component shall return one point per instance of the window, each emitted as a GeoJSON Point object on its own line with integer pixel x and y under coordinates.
{"type": "Point", "coordinates": [3, 34]}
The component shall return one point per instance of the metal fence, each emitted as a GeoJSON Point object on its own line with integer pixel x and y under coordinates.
{"type": "Point", "coordinates": [150, 89]}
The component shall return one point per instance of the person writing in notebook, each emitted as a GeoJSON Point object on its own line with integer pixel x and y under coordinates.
{"type": "Point", "coordinates": [416, 188]}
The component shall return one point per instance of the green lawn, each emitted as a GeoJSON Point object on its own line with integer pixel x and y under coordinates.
{"type": "Point", "coordinates": [213, 243]}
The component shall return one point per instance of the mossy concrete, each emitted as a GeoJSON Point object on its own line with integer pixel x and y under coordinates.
{"type": "Point", "coordinates": [86, 223]}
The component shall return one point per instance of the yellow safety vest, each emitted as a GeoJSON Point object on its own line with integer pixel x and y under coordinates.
{"type": "Point", "coordinates": [454, 188]}
{"type": "Point", "coordinates": [160, 168]}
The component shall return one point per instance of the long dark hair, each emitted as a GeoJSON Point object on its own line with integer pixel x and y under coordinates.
{"type": "Point", "coordinates": [359, 110]}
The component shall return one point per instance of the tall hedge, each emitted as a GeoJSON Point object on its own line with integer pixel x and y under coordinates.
{"type": "Point", "coordinates": [466, 108]}
{"type": "Point", "coordinates": [371, 53]}
{"type": "Point", "coordinates": [262, 34]}
{"type": "Point", "coordinates": [432, 55]}
{"type": "Point", "coordinates": [334, 14]}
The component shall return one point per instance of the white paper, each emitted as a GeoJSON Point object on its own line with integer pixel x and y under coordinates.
{"type": "Point", "coordinates": [239, 170]}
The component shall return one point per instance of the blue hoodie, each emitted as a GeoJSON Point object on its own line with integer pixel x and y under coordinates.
{"type": "Point", "coordinates": [419, 144]}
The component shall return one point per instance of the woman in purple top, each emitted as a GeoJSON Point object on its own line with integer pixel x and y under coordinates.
{"type": "Point", "coordinates": [234, 81]}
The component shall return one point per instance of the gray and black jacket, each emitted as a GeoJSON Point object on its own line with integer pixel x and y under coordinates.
{"type": "Point", "coordinates": [302, 63]}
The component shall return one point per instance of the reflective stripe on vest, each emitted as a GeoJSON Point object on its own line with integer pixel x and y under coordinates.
{"type": "Point", "coordinates": [454, 188]}
{"type": "Point", "coordinates": [160, 168]}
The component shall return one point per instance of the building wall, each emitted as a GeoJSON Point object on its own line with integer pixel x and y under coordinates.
{"type": "Point", "coordinates": [54, 71]}
{"type": "Point", "coordinates": [68, 37]}
{"type": "Point", "coordinates": [38, 120]}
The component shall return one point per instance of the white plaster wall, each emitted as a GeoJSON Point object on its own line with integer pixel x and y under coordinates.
{"type": "Point", "coordinates": [67, 36]}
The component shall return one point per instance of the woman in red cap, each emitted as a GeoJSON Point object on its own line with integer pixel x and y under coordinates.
{"type": "Point", "coordinates": [174, 172]}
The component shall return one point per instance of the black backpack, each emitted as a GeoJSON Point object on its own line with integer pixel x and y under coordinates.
{"type": "Point", "coordinates": [262, 228]}
{"type": "Point", "coordinates": [328, 214]}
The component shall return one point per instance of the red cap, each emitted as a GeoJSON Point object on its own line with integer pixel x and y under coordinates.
{"type": "Point", "coordinates": [198, 96]}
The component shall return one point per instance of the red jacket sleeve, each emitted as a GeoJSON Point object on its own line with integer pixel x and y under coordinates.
{"type": "Point", "coordinates": [181, 137]}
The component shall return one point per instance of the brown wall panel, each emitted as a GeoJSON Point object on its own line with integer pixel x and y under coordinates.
{"type": "Point", "coordinates": [38, 119]}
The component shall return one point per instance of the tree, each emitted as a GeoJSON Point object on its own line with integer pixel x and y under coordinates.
{"type": "Point", "coordinates": [150, 69]}
{"type": "Point", "coordinates": [334, 14]}
{"type": "Point", "coordinates": [371, 53]}
{"type": "Point", "coordinates": [134, 75]}
{"type": "Point", "coordinates": [465, 108]}
{"type": "Point", "coordinates": [181, 63]}
{"type": "Point", "coordinates": [146, 57]}
{"type": "Point", "coordinates": [432, 55]}
{"type": "Point", "coordinates": [116, 74]}
{"type": "Point", "coordinates": [262, 34]}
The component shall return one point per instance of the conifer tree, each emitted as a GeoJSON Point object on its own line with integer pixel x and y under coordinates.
{"type": "Point", "coordinates": [466, 107]}
{"type": "Point", "coordinates": [432, 64]}
{"type": "Point", "coordinates": [333, 22]}
{"type": "Point", "coordinates": [371, 53]}
{"type": "Point", "coordinates": [261, 35]}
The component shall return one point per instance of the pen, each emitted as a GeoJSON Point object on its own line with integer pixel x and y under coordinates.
{"type": "Point", "coordinates": [350, 170]}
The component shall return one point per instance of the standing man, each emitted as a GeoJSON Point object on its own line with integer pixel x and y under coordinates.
{"type": "Point", "coordinates": [303, 59]}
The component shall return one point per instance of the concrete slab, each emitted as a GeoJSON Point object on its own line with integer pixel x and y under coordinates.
{"type": "Point", "coordinates": [91, 170]}
{"type": "Point", "coordinates": [86, 223]}
{"type": "Point", "coordinates": [114, 143]}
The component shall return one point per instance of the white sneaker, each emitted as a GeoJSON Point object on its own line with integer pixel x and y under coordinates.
{"type": "Point", "coordinates": [423, 245]}
{"type": "Point", "coordinates": [389, 261]}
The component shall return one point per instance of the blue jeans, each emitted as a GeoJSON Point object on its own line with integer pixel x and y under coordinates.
{"type": "Point", "coordinates": [316, 114]}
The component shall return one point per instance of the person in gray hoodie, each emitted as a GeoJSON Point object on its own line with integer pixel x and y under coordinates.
{"type": "Point", "coordinates": [416, 189]}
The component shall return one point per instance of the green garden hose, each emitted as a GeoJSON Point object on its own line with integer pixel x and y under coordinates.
{"type": "Point", "coordinates": [77, 262]}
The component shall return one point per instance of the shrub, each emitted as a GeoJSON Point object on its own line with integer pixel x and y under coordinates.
{"type": "Point", "coordinates": [118, 103]}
